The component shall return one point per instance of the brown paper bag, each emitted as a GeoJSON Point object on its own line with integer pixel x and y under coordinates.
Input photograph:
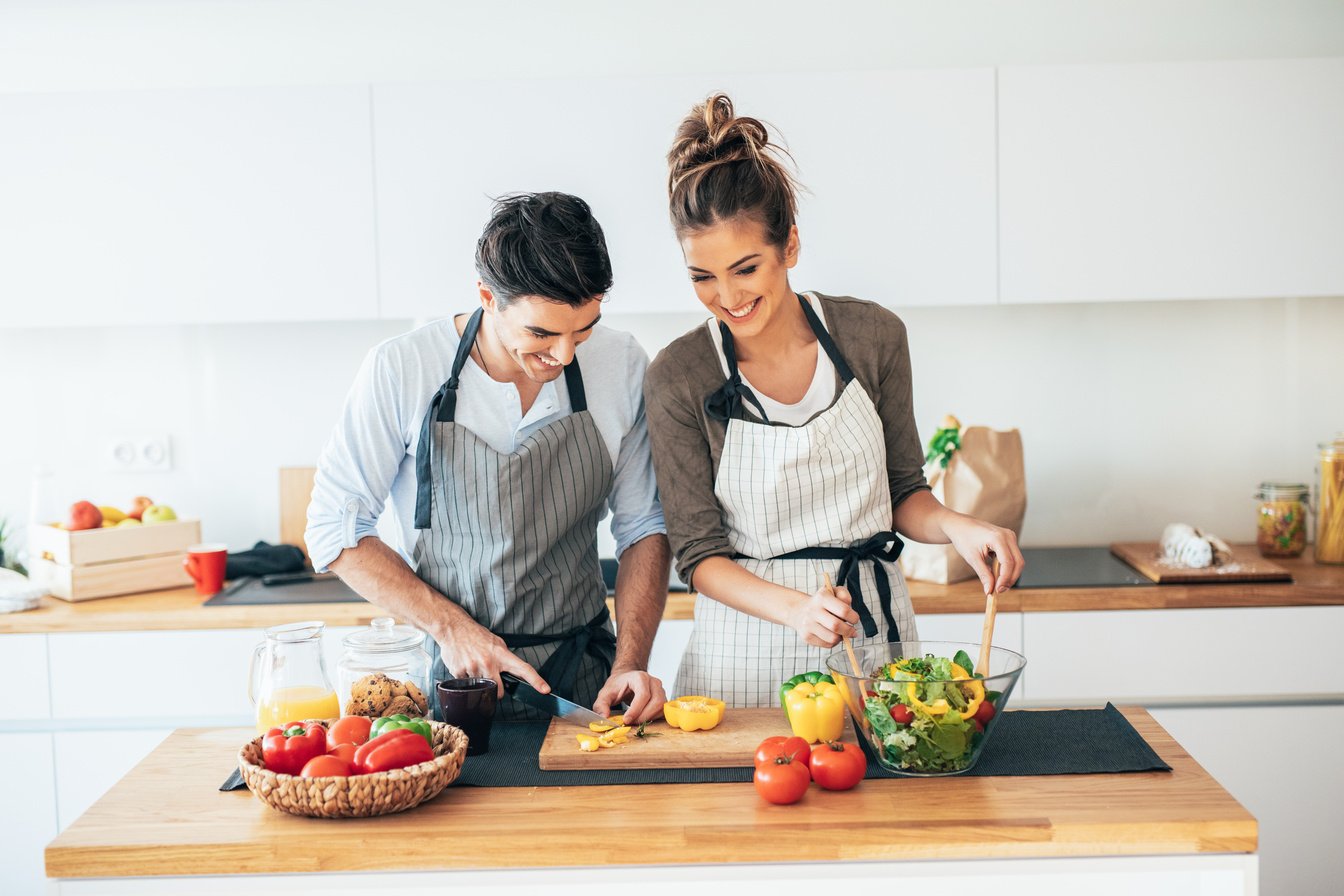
{"type": "Point", "coordinates": [985, 479]}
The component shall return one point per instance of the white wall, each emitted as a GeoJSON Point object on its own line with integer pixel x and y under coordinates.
{"type": "Point", "coordinates": [1133, 415]}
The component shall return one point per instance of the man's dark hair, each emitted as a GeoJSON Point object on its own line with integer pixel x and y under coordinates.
{"type": "Point", "coordinates": [543, 244]}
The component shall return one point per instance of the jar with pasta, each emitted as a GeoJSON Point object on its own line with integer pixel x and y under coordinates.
{"type": "Point", "coordinates": [1281, 520]}
{"type": "Point", "coordinates": [1330, 503]}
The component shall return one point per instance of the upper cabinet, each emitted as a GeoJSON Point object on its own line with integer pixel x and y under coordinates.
{"type": "Point", "coordinates": [1172, 181]}
{"type": "Point", "coordinates": [898, 166]}
{"type": "Point", "coordinates": [186, 206]}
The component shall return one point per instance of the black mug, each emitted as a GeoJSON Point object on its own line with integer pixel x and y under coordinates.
{"type": "Point", "coordinates": [469, 704]}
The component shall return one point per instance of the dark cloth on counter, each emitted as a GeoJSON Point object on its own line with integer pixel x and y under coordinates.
{"type": "Point", "coordinates": [263, 560]}
{"type": "Point", "coordinates": [687, 440]}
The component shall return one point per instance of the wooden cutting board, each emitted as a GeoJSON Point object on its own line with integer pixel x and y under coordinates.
{"type": "Point", "coordinates": [730, 744]}
{"type": "Point", "coordinates": [1246, 565]}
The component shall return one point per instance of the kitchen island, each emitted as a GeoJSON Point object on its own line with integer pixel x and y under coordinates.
{"type": "Point", "coordinates": [1168, 832]}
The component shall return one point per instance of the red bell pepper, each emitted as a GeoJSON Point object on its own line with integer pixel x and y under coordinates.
{"type": "Point", "coordinates": [287, 750]}
{"type": "Point", "coordinates": [395, 749]}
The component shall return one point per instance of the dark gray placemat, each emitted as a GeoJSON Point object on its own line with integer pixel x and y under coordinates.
{"type": "Point", "coordinates": [251, 591]}
{"type": "Point", "coordinates": [1043, 742]}
{"type": "Point", "coordinates": [1077, 568]}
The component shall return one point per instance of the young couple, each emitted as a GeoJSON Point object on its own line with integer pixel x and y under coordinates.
{"type": "Point", "coordinates": [781, 432]}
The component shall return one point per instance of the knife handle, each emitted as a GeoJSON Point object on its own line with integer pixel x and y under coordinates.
{"type": "Point", "coordinates": [510, 680]}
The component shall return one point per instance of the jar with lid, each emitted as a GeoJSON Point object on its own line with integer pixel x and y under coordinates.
{"type": "Point", "coordinates": [1281, 521]}
{"type": "Point", "coordinates": [1330, 502]}
{"type": "Point", "coordinates": [384, 649]}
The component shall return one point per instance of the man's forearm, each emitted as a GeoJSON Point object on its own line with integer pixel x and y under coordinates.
{"type": "Point", "coordinates": [641, 594]}
{"type": "Point", "coordinates": [380, 575]}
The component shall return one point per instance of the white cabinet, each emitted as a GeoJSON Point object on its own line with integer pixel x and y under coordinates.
{"type": "Point", "coordinates": [1185, 657]}
{"type": "Point", "coordinates": [899, 167]}
{"type": "Point", "coordinates": [172, 206]}
{"type": "Point", "coordinates": [1280, 763]}
{"type": "Point", "coordinates": [27, 811]}
{"type": "Point", "coordinates": [23, 662]}
{"type": "Point", "coordinates": [1171, 181]}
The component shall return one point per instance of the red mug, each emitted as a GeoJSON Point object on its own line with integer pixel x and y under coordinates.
{"type": "Point", "coordinates": [205, 563]}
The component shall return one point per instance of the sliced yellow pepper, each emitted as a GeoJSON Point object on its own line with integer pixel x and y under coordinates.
{"type": "Point", "coordinates": [694, 713]}
{"type": "Point", "coordinates": [608, 725]}
{"type": "Point", "coordinates": [977, 690]}
{"type": "Point", "coordinates": [588, 743]}
{"type": "Point", "coordinates": [816, 711]}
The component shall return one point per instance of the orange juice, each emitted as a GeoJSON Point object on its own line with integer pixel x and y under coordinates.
{"type": "Point", "coordinates": [295, 704]}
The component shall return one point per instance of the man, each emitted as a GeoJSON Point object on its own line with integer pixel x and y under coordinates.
{"type": "Point", "coordinates": [502, 437]}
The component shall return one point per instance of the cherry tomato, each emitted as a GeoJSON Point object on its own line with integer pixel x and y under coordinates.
{"type": "Point", "coordinates": [837, 766]}
{"type": "Point", "coordinates": [901, 714]}
{"type": "Point", "coordinates": [326, 765]}
{"type": "Point", "coordinates": [773, 748]}
{"type": "Point", "coordinates": [350, 730]}
{"type": "Point", "coordinates": [782, 781]}
{"type": "Point", "coordinates": [344, 751]}
{"type": "Point", "coordinates": [984, 712]}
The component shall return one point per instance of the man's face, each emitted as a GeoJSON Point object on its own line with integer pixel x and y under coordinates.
{"type": "Point", "coordinates": [538, 335]}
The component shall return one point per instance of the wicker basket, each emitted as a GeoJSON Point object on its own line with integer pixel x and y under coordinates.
{"type": "Point", "coordinates": [359, 796]}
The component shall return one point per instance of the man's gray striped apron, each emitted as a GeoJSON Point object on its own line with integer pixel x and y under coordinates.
{"type": "Point", "coordinates": [512, 538]}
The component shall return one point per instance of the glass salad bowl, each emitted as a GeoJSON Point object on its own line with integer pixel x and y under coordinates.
{"type": "Point", "coordinates": [919, 704]}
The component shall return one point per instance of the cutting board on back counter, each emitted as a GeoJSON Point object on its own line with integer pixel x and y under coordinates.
{"type": "Point", "coordinates": [730, 744]}
{"type": "Point", "coordinates": [1246, 565]}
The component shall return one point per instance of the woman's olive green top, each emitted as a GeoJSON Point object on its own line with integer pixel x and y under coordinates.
{"type": "Point", "coordinates": [688, 443]}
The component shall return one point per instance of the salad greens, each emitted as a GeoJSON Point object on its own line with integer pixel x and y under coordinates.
{"type": "Point", "coordinates": [929, 712]}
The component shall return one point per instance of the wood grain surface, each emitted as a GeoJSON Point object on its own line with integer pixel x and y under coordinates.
{"type": "Point", "coordinates": [1246, 565]}
{"type": "Point", "coordinates": [1313, 585]}
{"type": "Point", "coordinates": [166, 817]}
{"type": "Point", "coordinates": [730, 744]}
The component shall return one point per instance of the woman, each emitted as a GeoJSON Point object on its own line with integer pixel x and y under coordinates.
{"type": "Point", "coordinates": [783, 436]}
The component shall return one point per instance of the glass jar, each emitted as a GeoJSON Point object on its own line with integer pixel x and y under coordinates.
{"type": "Point", "coordinates": [1330, 502]}
{"type": "Point", "coordinates": [1281, 521]}
{"type": "Point", "coordinates": [394, 652]}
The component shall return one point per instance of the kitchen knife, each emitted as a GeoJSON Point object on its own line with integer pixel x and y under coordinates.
{"type": "Point", "coordinates": [550, 704]}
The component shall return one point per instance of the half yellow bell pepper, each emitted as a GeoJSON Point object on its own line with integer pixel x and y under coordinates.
{"type": "Point", "coordinates": [816, 711]}
{"type": "Point", "coordinates": [694, 713]}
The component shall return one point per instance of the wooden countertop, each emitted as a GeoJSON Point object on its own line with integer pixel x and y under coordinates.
{"type": "Point", "coordinates": [166, 817]}
{"type": "Point", "coordinates": [181, 609]}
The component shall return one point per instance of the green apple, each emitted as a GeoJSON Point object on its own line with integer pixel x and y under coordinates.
{"type": "Point", "coordinates": [158, 513]}
{"type": "Point", "coordinates": [129, 521]}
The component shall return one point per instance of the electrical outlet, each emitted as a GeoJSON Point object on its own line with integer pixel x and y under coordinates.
{"type": "Point", "coordinates": [139, 454]}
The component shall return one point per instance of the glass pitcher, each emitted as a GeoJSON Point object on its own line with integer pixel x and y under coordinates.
{"type": "Point", "coordinates": [288, 679]}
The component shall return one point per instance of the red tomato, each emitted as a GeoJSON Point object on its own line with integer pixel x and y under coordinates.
{"type": "Point", "coordinates": [344, 751]}
{"type": "Point", "coordinates": [782, 781]}
{"type": "Point", "coordinates": [350, 730]}
{"type": "Point", "coordinates": [901, 714]}
{"type": "Point", "coordinates": [773, 748]}
{"type": "Point", "coordinates": [979, 726]}
{"type": "Point", "coordinates": [325, 766]}
{"type": "Point", "coordinates": [984, 712]}
{"type": "Point", "coordinates": [837, 766]}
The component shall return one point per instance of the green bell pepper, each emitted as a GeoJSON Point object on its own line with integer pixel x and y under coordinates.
{"type": "Point", "coordinates": [401, 720]}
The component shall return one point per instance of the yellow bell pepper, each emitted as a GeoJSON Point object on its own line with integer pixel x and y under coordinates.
{"type": "Point", "coordinates": [694, 713]}
{"type": "Point", "coordinates": [816, 711]}
{"type": "Point", "coordinates": [940, 706]}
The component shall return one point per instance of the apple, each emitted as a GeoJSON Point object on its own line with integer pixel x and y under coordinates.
{"type": "Point", "coordinates": [108, 524]}
{"type": "Point", "coordinates": [138, 506]}
{"type": "Point", "coordinates": [84, 515]}
{"type": "Point", "coordinates": [158, 513]}
{"type": "Point", "coordinates": [111, 515]}
{"type": "Point", "coordinates": [128, 522]}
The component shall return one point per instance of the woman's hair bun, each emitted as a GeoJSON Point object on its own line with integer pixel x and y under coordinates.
{"type": "Point", "coordinates": [722, 165]}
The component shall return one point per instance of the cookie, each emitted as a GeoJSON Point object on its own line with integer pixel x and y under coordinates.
{"type": "Point", "coordinates": [404, 705]}
{"type": "Point", "coordinates": [417, 697]}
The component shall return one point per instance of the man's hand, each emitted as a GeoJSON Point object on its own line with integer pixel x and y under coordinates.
{"type": "Point", "coordinates": [640, 690]}
{"type": "Point", "coordinates": [473, 651]}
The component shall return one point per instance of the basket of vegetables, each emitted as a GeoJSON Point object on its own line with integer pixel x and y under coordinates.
{"type": "Point", "coordinates": [922, 705]}
{"type": "Point", "coordinates": [353, 767]}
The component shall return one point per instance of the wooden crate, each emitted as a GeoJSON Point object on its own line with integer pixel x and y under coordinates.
{"type": "Point", "coordinates": [93, 563]}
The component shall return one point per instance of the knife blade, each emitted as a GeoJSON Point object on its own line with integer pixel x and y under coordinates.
{"type": "Point", "coordinates": [551, 704]}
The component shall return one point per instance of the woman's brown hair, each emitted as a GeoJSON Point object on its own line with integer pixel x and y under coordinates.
{"type": "Point", "coordinates": [722, 166]}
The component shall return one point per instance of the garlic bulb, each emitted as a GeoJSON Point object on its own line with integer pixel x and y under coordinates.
{"type": "Point", "coordinates": [1184, 545]}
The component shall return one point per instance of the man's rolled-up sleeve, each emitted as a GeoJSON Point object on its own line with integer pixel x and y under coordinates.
{"type": "Point", "coordinates": [358, 464]}
{"type": "Point", "coordinates": [636, 512]}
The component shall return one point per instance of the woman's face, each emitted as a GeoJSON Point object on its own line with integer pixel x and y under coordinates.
{"type": "Point", "coordinates": [738, 275]}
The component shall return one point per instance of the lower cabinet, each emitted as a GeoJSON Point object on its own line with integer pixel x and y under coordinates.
{"type": "Point", "coordinates": [27, 810]}
{"type": "Point", "coordinates": [1281, 763]}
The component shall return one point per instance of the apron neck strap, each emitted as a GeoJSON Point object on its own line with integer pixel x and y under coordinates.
{"type": "Point", "coordinates": [442, 409]}
{"type": "Point", "coordinates": [827, 343]}
{"type": "Point", "coordinates": [578, 399]}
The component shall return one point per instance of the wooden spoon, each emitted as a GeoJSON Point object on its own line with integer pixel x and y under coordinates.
{"type": "Point", "coordinates": [849, 648]}
{"type": "Point", "coordinates": [991, 607]}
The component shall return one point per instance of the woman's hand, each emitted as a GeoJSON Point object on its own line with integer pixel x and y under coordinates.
{"type": "Point", "coordinates": [976, 540]}
{"type": "Point", "coordinates": [824, 617]}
